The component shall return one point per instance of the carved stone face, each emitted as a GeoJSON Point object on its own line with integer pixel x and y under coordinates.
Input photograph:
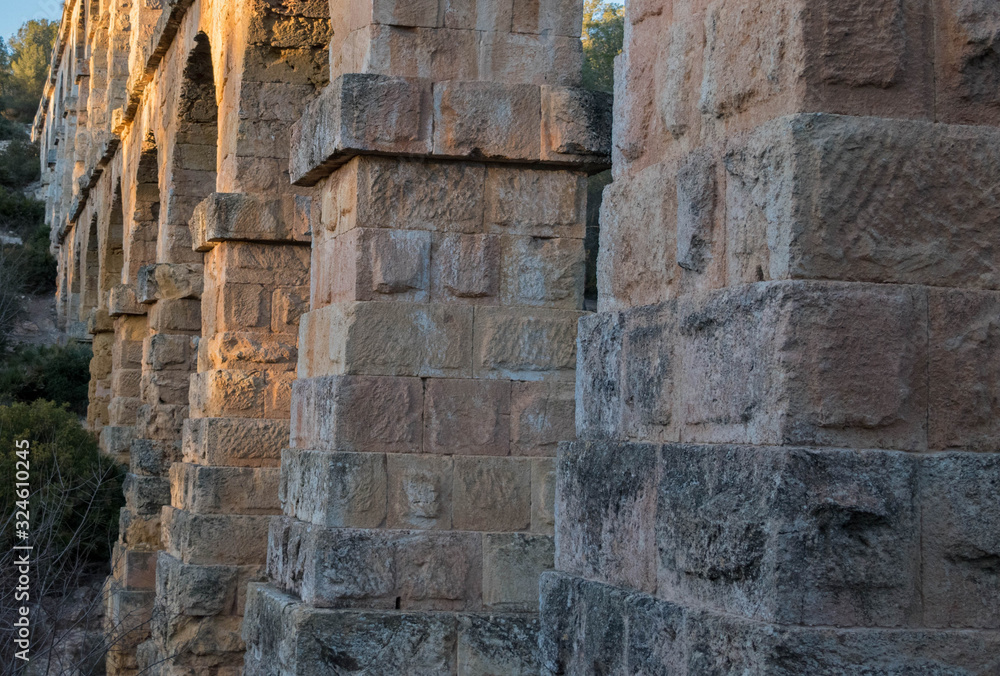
{"type": "Point", "coordinates": [422, 494]}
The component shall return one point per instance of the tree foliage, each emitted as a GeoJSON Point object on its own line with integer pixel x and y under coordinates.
{"type": "Point", "coordinates": [24, 65]}
{"type": "Point", "coordinates": [603, 35]}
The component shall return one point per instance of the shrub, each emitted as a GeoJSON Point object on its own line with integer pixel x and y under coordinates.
{"type": "Point", "coordinates": [59, 373]}
{"type": "Point", "coordinates": [20, 213]}
{"type": "Point", "coordinates": [19, 164]}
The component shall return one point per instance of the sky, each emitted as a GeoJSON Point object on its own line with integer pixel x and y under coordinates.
{"type": "Point", "coordinates": [13, 13]}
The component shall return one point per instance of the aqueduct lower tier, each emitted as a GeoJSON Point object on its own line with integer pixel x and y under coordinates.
{"type": "Point", "coordinates": [331, 256]}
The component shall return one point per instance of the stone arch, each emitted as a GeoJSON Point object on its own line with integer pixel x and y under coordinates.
{"type": "Point", "coordinates": [140, 247]}
{"type": "Point", "coordinates": [90, 271]}
{"type": "Point", "coordinates": [112, 246]}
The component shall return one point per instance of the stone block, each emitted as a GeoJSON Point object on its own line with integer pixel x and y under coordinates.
{"type": "Point", "coordinates": [466, 269]}
{"type": "Point", "coordinates": [492, 494]}
{"type": "Point", "coordinates": [648, 373]}
{"type": "Point", "coordinates": [547, 59]}
{"type": "Point", "coordinates": [145, 495]}
{"type": "Point", "coordinates": [169, 352]}
{"type": "Point", "coordinates": [165, 387]}
{"type": "Point", "coordinates": [962, 372]}
{"type": "Point", "coordinates": [400, 193]}
{"type": "Point", "coordinates": [116, 440]}
{"type": "Point", "coordinates": [498, 644]}
{"type": "Point", "coordinates": [960, 546]}
{"type": "Point", "coordinates": [334, 489]}
{"type": "Point", "coordinates": [606, 499]}
{"type": "Point", "coordinates": [576, 126]}
{"type": "Point", "coordinates": [543, 272]}
{"type": "Point", "coordinates": [122, 300]}
{"type": "Point", "coordinates": [479, 119]}
{"type": "Point", "coordinates": [808, 196]}
{"type": "Point", "coordinates": [804, 363]}
{"type": "Point", "coordinates": [149, 457]}
{"type": "Point", "coordinates": [965, 51]}
{"type": "Point", "coordinates": [234, 442]}
{"type": "Point", "coordinates": [541, 416]}
{"type": "Point", "coordinates": [795, 536]}
{"type": "Point", "coordinates": [584, 623]}
{"type": "Point", "coordinates": [222, 393]}
{"type": "Point", "coordinates": [126, 382]}
{"type": "Point", "coordinates": [169, 281]}
{"type": "Point", "coordinates": [133, 569]}
{"type": "Point", "coordinates": [512, 564]}
{"type": "Point", "coordinates": [382, 414]}
{"type": "Point", "coordinates": [525, 344]}
{"type": "Point", "coordinates": [600, 376]}
{"type": "Point", "coordinates": [467, 417]}
{"type": "Point", "coordinates": [696, 210]}
{"type": "Point", "coordinates": [543, 496]}
{"type": "Point", "coordinates": [535, 202]}
{"type": "Point", "coordinates": [248, 350]}
{"type": "Point", "coordinates": [375, 264]}
{"type": "Point", "coordinates": [427, 340]}
{"type": "Point", "coordinates": [175, 315]}
{"type": "Point", "coordinates": [236, 216]}
{"type": "Point", "coordinates": [360, 113]}
{"type": "Point", "coordinates": [396, 642]}
{"type": "Point", "coordinates": [224, 490]}
{"type": "Point", "coordinates": [215, 539]}
{"type": "Point", "coordinates": [419, 491]}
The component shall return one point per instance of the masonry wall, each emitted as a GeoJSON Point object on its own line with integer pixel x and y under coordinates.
{"type": "Point", "coordinates": [786, 399]}
{"type": "Point", "coordinates": [331, 259]}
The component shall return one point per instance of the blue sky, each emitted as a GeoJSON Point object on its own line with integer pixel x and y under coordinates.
{"type": "Point", "coordinates": [13, 13]}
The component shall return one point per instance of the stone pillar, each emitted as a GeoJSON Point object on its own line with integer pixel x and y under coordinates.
{"type": "Point", "coordinates": [101, 327]}
{"type": "Point", "coordinates": [436, 361]}
{"type": "Point", "coordinates": [787, 399]}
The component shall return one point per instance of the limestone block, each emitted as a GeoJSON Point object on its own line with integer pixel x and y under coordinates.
{"type": "Point", "coordinates": [962, 372]}
{"type": "Point", "coordinates": [529, 58]}
{"type": "Point", "coordinates": [287, 306]}
{"type": "Point", "coordinates": [811, 363]}
{"type": "Point", "coordinates": [165, 387]}
{"type": "Point", "coordinates": [125, 382]}
{"type": "Point", "coordinates": [139, 531]}
{"type": "Point", "coordinates": [400, 193]}
{"type": "Point", "coordinates": [543, 496]}
{"type": "Point", "coordinates": [133, 569]}
{"type": "Point", "coordinates": [585, 623]}
{"type": "Point", "coordinates": [222, 393]}
{"type": "Point", "coordinates": [350, 338]}
{"type": "Point", "coordinates": [498, 644]}
{"type": "Point", "coordinates": [144, 495]}
{"type": "Point", "coordinates": [559, 17]}
{"type": "Point", "coordinates": [262, 263]}
{"type": "Point", "coordinates": [419, 491]}
{"type": "Point", "coordinates": [224, 490]}
{"type": "Point", "coordinates": [418, 52]}
{"type": "Point", "coordinates": [186, 589]}
{"type": "Point", "coordinates": [576, 123]}
{"type": "Point", "coordinates": [246, 350]}
{"type": "Point", "coordinates": [492, 493]}
{"type": "Point", "coordinates": [466, 269]}
{"type": "Point", "coordinates": [392, 641]}
{"type": "Point", "coordinates": [360, 113]}
{"type": "Point", "coordinates": [122, 300]}
{"type": "Point", "coordinates": [169, 352]}
{"type": "Point", "coordinates": [467, 417]}
{"type": "Point", "coordinates": [223, 539]}
{"type": "Point", "coordinates": [525, 344]}
{"type": "Point", "coordinates": [696, 210]}
{"type": "Point", "coordinates": [116, 439]}
{"type": "Point", "coordinates": [487, 119]}
{"type": "Point", "coordinates": [795, 536]}
{"type": "Point", "coordinates": [966, 46]}
{"type": "Point", "coordinates": [808, 196]}
{"type": "Point", "coordinates": [599, 376]}
{"type": "Point", "coordinates": [236, 216]}
{"type": "Point", "coordinates": [376, 414]}
{"type": "Point", "coordinates": [606, 498]}
{"type": "Point", "coordinates": [150, 457]}
{"type": "Point", "coordinates": [173, 315]}
{"type": "Point", "coordinates": [543, 272]}
{"type": "Point", "coordinates": [377, 264]}
{"type": "Point", "coordinates": [354, 568]}
{"type": "Point", "coordinates": [234, 442]}
{"type": "Point", "coordinates": [512, 564]}
{"type": "Point", "coordinates": [334, 489]}
{"type": "Point", "coordinates": [541, 416]}
{"type": "Point", "coordinates": [959, 542]}
{"type": "Point", "coordinates": [648, 368]}
{"type": "Point", "coordinates": [239, 307]}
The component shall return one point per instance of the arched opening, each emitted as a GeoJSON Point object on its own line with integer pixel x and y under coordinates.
{"type": "Point", "coordinates": [194, 161]}
{"type": "Point", "coordinates": [90, 270]}
{"type": "Point", "coordinates": [141, 243]}
{"type": "Point", "coordinates": [112, 247]}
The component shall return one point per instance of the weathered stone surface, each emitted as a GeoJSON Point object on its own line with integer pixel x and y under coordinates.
{"type": "Point", "coordinates": [419, 491]}
{"type": "Point", "coordinates": [334, 489]}
{"type": "Point", "coordinates": [234, 442]}
{"type": "Point", "coordinates": [512, 564]}
{"type": "Point", "coordinates": [467, 417]}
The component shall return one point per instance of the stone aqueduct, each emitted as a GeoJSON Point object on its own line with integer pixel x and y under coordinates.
{"type": "Point", "coordinates": [330, 255]}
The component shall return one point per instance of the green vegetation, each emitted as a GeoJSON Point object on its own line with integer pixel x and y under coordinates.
{"type": "Point", "coordinates": [76, 491]}
{"type": "Point", "coordinates": [59, 373]}
{"type": "Point", "coordinates": [603, 34]}
{"type": "Point", "coordinates": [24, 65]}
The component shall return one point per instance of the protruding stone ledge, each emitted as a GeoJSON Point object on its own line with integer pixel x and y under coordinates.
{"type": "Point", "coordinates": [367, 114]}
{"type": "Point", "coordinates": [169, 281]}
{"type": "Point", "coordinates": [585, 623]}
{"type": "Point", "coordinates": [122, 300]}
{"type": "Point", "coordinates": [285, 636]}
{"type": "Point", "coordinates": [226, 217]}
